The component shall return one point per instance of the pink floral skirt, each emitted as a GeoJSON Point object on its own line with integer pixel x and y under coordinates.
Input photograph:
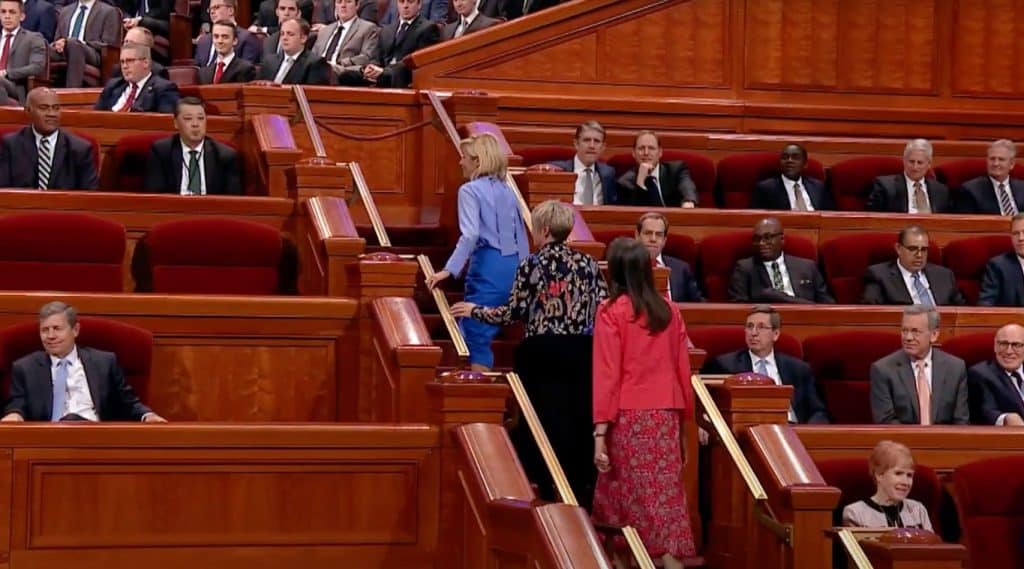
{"type": "Point", "coordinates": [644, 488]}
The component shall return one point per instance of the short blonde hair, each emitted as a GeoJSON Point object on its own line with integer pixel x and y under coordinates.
{"type": "Point", "coordinates": [556, 216]}
{"type": "Point", "coordinates": [887, 455]}
{"type": "Point", "coordinates": [491, 160]}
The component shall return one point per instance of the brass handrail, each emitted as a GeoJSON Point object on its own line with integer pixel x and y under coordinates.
{"type": "Point", "coordinates": [853, 548]}
{"type": "Point", "coordinates": [307, 117]}
{"type": "Point", "coordinates": [541, 438]}
{"type": "Point", "coordinates": [446, 312]}
{"type": "Point", "coordinates": [636, 545]}
{"type": "Point", "coordinates": [524, 209]}
{"type": "Point", "coordinates": [363, 191]}
{"type": "Point", "coordinates": [447, 125]}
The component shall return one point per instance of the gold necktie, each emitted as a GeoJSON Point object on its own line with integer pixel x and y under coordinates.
{"type": "Point", "coordinates": [921, 199]}
{"type": "Point", "coordinates": [801, 203]}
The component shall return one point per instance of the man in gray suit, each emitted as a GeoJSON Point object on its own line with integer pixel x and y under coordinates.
{"type": "Point", "coordinates": [22, 53]}
{"type": "Point", "coordinates": [920, 384]}
{"type": "Point", "coordinates": [469, 20]}
{"type": "Point", "coordinates": [83, 30]}
{"type": "Point", "coordinates": [348, 43]}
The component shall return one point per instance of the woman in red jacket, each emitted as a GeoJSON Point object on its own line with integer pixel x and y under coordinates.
{"type": "Point", "coordinates": [641, 389]}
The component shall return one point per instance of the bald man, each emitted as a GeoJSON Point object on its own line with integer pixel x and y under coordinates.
{"type": "Point", "coordinates": [994, 388]}
{"type": "Point", "coordinates": [773, 276]}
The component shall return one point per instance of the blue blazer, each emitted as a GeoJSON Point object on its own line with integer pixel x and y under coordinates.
{"type": "Point", "coordinates": [771, 194]}
{"type": "Point", "coordinates": [681, 280]}
{"type": "Point", "coordinates": [806, 404]}
{"type": "Point", "coordinates": [40, 16]}
{"type": "Point", "coordinates": [990, 393]}
{"type": "Point", "coordinates": [158, 96]}
{"type": "Point", "coordinates": [1001, 284]}
{"type": "Point", "coordinates": [609, 187]}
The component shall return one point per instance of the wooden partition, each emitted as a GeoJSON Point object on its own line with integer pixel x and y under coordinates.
{"type": "Point", "coordinates": [219, 496]}
{"type": "Point", "coordinates": [403, 361]}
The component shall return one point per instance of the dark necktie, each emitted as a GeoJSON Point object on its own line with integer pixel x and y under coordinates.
{"type": "Point", "coordinates": [194, 181]}
{"type": "Point", "coordinates": [777, 282]}
{"type": "Point", "coordinates": [76, 26]}
{"type": "Point", "coordinates": [1016, 383]}
{"type": "Point", "coordinates": [651, 183]}
{"type": "Point", "coordinates": [401, 33]}
{"type": "Point", "coordinates": [332, 46]}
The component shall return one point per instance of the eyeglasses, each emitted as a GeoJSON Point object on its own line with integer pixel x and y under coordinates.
{"type": "Point", "coordinates": [131, 60]}
{"type": "Point", "coordinates": [915, 250]}
{"type": "Point", "coordinates": [758, 328]}
{"type": "Point", "coordinates": [1015, 346]}
{"type": "Point", "coordinates": [759, 237]}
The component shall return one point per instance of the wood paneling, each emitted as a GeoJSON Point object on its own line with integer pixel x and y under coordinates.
{"type": "Point", "coordinates": [792, 43]}
{"type": "Point", "coordinates": [888, 46]}
{"type": "Point", "coordinates": [987, 58]}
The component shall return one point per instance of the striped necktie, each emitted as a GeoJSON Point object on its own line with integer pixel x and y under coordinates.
{"type": "Point", "coordinates": [1006, 205]}
{"type": "Point", "coordinates": [45, 163]}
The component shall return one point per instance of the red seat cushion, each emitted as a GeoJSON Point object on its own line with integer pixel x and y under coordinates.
{"type": "Point", "coordinates": [739, 173]}
{"type": "Point", "coordinates": [62, 251]}
{"type": "Point", "coordinates": [677, 245]}
{"type": "Point", "coordinates": [719, 253]}
{"type": "Point", "coordinates": [990, 501]}
{"type": "Point", "coordinates": [843, 374]}
{"type": "Point", "coordinates": [718, 340]}
{"type": "Point", "coordinates": [544, 154]}
{"type": "Point", "coordinates": [967, 258]}
{"type": "Point", "coordinates": [955, 172]}
{"type": "Point", "coordinates": [851, 180]}
{"type": "Point", "coordinates": [132, 345]}
{"type": "Point", "coordinates": [702, 171]}
{"type": "Point", "coordinates": [972, 348]}
{"type": "Point", "coordinates": [847, 258]}
{"type": "Point", "coordinates": [130, 155]}
{"type": "Point", "coordinates": [855, 483]}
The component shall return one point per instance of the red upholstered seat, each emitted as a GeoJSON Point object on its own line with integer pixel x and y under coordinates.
{"type": "Point", "coordinates": [215, 256]}
{"type": "Point", "coordinates": [545, 154]}
{"type": "Point", "coordinates": [677, 245]}
{"type": "Point", "coordinates": [739, 173]}
{"type": "Point", "coordinates": [855, 483]}
{"type": "Point", "coordinates": [129, 164]}
{"type": "Point", "coordinates": [132, 345]}
{"type": "Point", "coordinates": [702, 171]}
{"type": "Point", "coordinates": [955, 172]}
{"type": "Point", "coordinates": [851, 180]}
{"type": "Point", "coordinates": [61, 251]}
{"type": "Point", "coordinates": [718, 255]}
{"type": "Point", "coordinates": [972, 348]}
{"type": "Point", "coordinates": [841, 362]}
{"type": "Point", "coordinates": [718, 340]}
{"type": "Point", "coordinates": [967, 258]}
{"type": "Point", "coordinates": [990, 502]}
{"type": "Point", "coordinates": [847, 258]}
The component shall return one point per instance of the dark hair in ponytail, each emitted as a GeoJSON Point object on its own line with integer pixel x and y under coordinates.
{"type": "Point", "coordinates": [630, 272]}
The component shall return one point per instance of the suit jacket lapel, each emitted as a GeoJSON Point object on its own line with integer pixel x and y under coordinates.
{"type": "Point", "coordinates": [210, 166]}
{"type": "Point", "coordinates": [744, 361]}
{"type": "Point", "coordinates": [177, 159]}
{"type": "Point", "coordinates": [897, 276]}
{"type": "Point", "coordinates": [92, 377]}
{"type": "Point", "coordinates": [905, 372]}
{"type": "Point", "coordinates": [664, 184]}
{"type": "Point", "coordinates": [347, 37]}
{"type": "Point", "coordinates": [294, 74]}
{"type": "Point", "coordinates": [900, 194]}
{"type": "Point", "coordinates": [59, 156]}
{"type": "Point", "coordinates": [44, 384]}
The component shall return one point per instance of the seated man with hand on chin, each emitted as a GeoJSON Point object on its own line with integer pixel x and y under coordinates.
{"type": "Point", "coordinates": [66, 382]}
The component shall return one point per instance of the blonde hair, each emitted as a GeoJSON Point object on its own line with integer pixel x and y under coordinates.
{"type": "Point", "coordinates": [491, 161]}
{"type": "Point", "coordinates": [887, 455]}
{"type": "Point", "coordinates": [556, 216]}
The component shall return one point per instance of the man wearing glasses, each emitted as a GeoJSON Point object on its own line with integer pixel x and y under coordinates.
{"type": "Point", "coordinates": [910, 279]}
{"type": "Point", "coordinates": [994, 387]}
{"type": "Point", "coordinates": [773, 276]}
{"type": "Point", "coordinates": [138, 90]}
{"type": "Point", "coordinates": [762, 331]}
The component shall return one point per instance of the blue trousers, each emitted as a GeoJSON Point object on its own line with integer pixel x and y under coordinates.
{"type": "Point", "coordinates": [488, 283]}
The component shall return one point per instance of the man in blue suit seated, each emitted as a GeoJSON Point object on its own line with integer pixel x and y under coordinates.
{"type": "Point", "coordinates": [792, 191]}
{"type": "Point", "coordinates": [652, 231]}
{"type": "Point", "coordinates": [138, 90]}
{"type": "Point", "coordinates": [1002, 283]}
{"type": "Point", "coordinates": [762, 331]}
{"type": "Point", "coordinates": [595, 180]}
{"type": "Point", "coordinates": [994, 391]}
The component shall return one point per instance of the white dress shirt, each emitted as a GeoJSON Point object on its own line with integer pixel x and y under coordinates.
{"type": "Point", "coordinates": [185, 149]}
{"type": "Point", "coordinates": [225, 59]}
{"type": "Point", "coordinates": [78, 399]}
{"type": "Point", "coordinates": [52, 138]}
{"type": "Point", "coordinates": [912, 198]}
{"type": "Point", "coordinates": [85, 19]}
{"type": "Point", "coordinates": [119, 104]}
{"type": "Point", "coordinates": [465, 22]}
{"type": "Point", "coordinates": [773, 372]}
{"type": "Point", "coordinates": [908, 281]}
{"type": "Point", "coordinates": [579, 168]}
{"type": "Point", "coordinates": [787, 285]}
{"type": "Point", "coordinates": [791, 192]}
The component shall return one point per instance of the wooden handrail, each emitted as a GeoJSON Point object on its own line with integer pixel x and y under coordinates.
{"type": "Point", "coordinates": [541, 438]}
{"type": "Point", "coordinates": [636, 546]}
{"type": "Point", "coordinates": [307, 117]}
{"type": "Point", "coordinates": [363, 191]}
{"type": "Point", "coordinates": [459, 342]}
{"type": "Point", "coordinates": [728, 440]}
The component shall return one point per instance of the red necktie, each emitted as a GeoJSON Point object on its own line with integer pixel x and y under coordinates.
{"type": "Point", "coordinates": [219, 72]}
{"type": "Point", "coordinates": [6, 50]}
{"type": "Point", "coordinates": [127, 108]}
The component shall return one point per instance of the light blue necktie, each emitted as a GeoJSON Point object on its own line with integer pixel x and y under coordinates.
{"type": "Point", "coordinates": [60, 389]}
{"type": "Point", "coordinates": [922, 292]}
{"type": "Point", "coordinates": [762, 367]}
{"type": "Point", "coordinates": [76, 28]}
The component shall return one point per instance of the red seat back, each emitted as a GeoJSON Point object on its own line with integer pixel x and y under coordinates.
{"type": "Point", "coordinates": [855, 483]}
{"type": "Point", "coordinates": [702, 171]}
{"type": "Point", "coordinates": [718, 340]}
{"type": "Point", "coordinates": [843, 374]}
{"type": "Point", "coordinates": [967, 258]}
{"type": "Point", "coordinates": [990, 502]}
{"type": "Point", "coordinates": [739, 173]}
{"type": "Point", "coordinates": [719, 253]}
{"type": "Point", "coordinates": [677, 245]}
{"type": "Point", "coordinates": [851, 180]}
{"type": "Point", "coordinates": [847, 258]}
{"type": "Point", "coordinates": [972, 348]}
{"type": "Point", "coordinates": [130, 155]}
{"type": "Point", "coordinates": [65, 251]}
{"type": "Point", "coordinates": [544, 154]}
{"type": "Point", "coordinates": [955, 172]}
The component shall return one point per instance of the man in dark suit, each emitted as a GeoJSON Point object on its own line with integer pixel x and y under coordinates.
{"type": "Point", "coordinates": [911, 191]}
{"type": "Point", "coordinates": [772, 276]}
{"type": "Point", "coordinates": [469, 20]}
{"type": "Point", "coordinates": [227, 67]}
{"type": "Point", "coordinates": [65, 382]}
{"type": "Point", "coordinates": [349, 43]}
{"type": "Point", "coordinates": [994, 388]}
{"type": "Point", "coordinates": [191, 163]}
{"type": "Point", "coordinates": [284, 10]}
{"type": "Point", "coordinates": [267, 20]}
{"type": "Point", "coordinates": [22, 52]}
{"type": "Point", "coordinates": [910, 279]}
{"type": "Point", "coordinates": [42, 156]}
{"type": "Point", "coordinates": [652, 231]}
{"type": "Point", "coordinates": [595, 180]}
{"type": "Point", "coordinates": [763, 327]}
{"type": "Point", "coordinates": [792, 190]}
{"type": "Point", "coordinates": [434, 10]}
{"type": "Point", "coordinates": [1002, 283]}
{"type": "Point", "coordinates": [493, 8]}
{"type": "Point", "coordinates": [248, 46]}
{"type": "Point", "coordinates": [997, 193]}
{"type": "Point", "coordinates": [141, 36]}
{"type": "Point", "coordinates": [153, 15]}
{"type": "Point", "coordinates": [41, 17]}
{"type": "Point", "coordinates": [83, 30]}
{"type": "Point", "coordinates": [919, 376]}
{"type": "Point", "coordinates": [296, 64]}
{"type": "Point", "coordinates": [139, 90]}
{"type": "Point", "coordinates": [653, 183]}
{"type": "Point", "coordinates": [411, 32]}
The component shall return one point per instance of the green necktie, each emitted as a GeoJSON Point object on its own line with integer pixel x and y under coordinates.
{"type": "Point", "coordinates": [194, 181]}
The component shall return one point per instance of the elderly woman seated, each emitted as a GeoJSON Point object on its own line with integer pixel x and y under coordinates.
{"type": "Point", "coordinates": [892, 467]}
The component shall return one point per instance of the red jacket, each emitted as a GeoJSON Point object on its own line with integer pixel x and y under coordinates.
{"type": "Point", "coordinates": [634, 369]}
